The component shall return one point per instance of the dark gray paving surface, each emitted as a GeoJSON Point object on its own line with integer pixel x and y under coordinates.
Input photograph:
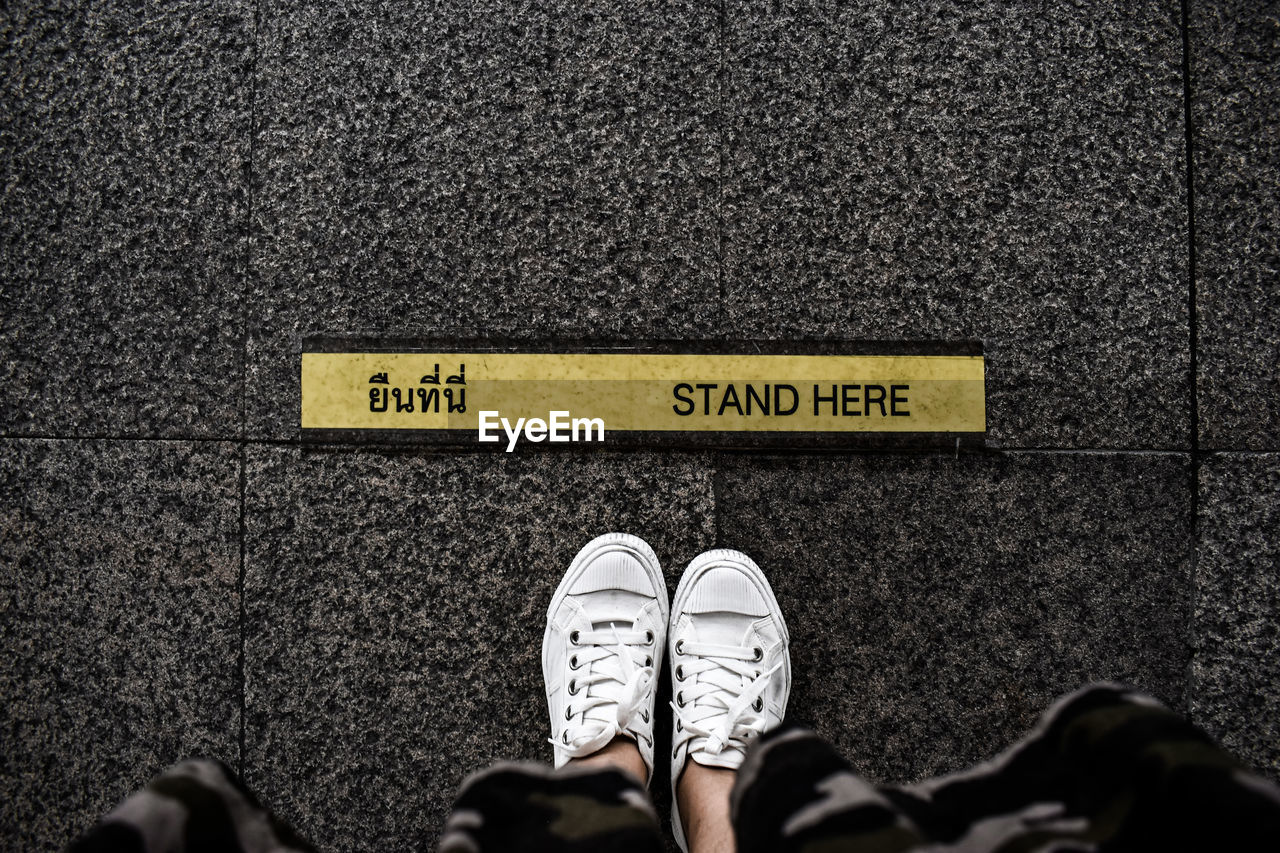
{"type": "Point", "coordinates": [886, 172]}
{"type": "Point", "coordinates": [185, 184]}
{"type": "Point", "coordinates": [1236, 672]}
{"type": "Point", "coordinates": [119, 631]}
{"type": "Point", "coordinates": [936, 605]}
{"type": "Point", "coordinates": [395, 609]}
{"type": "Point", "coordinates": [124, 145]}
{"type": "Point", "coordinates": [1236, 115]}
{"type": "Point", "coordinates": [978, 170]}
{"type": "Point", "coordinates": [495, 169]}
{"type": "Point", "coordinates": [395, 178]}
{"type": "Point", "coordinates": [632, 168]}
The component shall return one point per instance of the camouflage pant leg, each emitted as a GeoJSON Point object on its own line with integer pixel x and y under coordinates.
{"type": "Point", "coordinates": [193, 806]}
{"type": "Point", "coordinates": [1105, 769]}
{"type": "Point", "coordinates": [530, 807]}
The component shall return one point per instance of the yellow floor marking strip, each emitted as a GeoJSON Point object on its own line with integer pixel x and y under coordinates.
{"type": "Point", "coordinates": [647, 391]}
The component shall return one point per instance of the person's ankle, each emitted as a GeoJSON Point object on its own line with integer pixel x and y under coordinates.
{"type": "Point", "coordinates": [703, 797]}
{"type": "Point", "coordinates": [621, 753]}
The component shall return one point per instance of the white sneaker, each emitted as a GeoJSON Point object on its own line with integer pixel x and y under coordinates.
{"type": "Point", "coordinates": [730, 670]}
{"type": "Point", "coordinates": [606, 630]}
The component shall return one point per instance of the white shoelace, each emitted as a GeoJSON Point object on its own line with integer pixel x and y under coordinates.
{"type": "Point", "coordinates": [611, 672]}
{"type": "Point", "coordinates": [718, 697]}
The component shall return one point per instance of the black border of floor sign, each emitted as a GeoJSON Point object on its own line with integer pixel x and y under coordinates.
{"type": "Point", "coordinates": [647, 438]}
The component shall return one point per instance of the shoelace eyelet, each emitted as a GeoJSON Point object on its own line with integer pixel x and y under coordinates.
{"type": "Point", "coordinates": [568, 713]}
{"type": "Point", "coordinates": [565, 736]}
{"type": "Point", "coordinates": [680, 673]}
{"type": "Point", "coordinates": [573, 687]}
{"type": "Point", "coordinates": [573, 662]}
{"type": "Point", "coordinates": [680, 647]}
{"type": "Point", "coordinates": [644, 715]}
{"type": "Point", "coordinates": [573, 638]}
{"type": "Point", "coordinates": [679, 725]}
{"type": "Point", "coordinates": [648, 661]}
{"type": "Point", "coordinates": [680, 698]}
{"type": "Point", "coordinates": [648, 638]}
{"type": "Point", "coordinates": [759, 652]}
{"type": "Point", "coordinates": [757, 705]}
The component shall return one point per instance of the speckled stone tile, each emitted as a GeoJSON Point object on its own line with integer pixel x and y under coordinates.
{"type": "Point", "coordinates": [503, 169]}
{"type": "Point", "coordinates": [633, 167]}
{"type": "Point", "coordinates": [119, 629]}
{"type": "Point", "coordinates": [1235, 54]}
{"type": "Point", "coordinates": [395, 181]}
{"type": "Point", "coordinates": [945, 169]}
{"type": "Point", "coordinates": [1236, 668]}
{"type": "Point", "coordinates": [124, 143]}
{"type": "Point", "coordinates": [395, 609]}
{"type": "Point", "coordinates": [937, 605]}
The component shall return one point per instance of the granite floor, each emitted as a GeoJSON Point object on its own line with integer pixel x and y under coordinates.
{"type": "Point", "coordinates": [191, 188]}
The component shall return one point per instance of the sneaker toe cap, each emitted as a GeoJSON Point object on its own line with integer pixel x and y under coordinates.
{"type": "Point", "coordinates": [615, 569]}
{"type": "Point", "coordinates": [727, 589]}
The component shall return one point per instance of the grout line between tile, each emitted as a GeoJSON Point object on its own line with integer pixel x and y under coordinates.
{"type": "Point", "coordinates": [244, 373]}
{"type": "Point", "coordinates": [548, 116]}
{"type": "Point", "coordinates": [1091, 451]}
{"type": "Point", "coordinates": [1192, 288]}
{"type": "Point", "coordinates": [436, 449]}
{"type": "Point", "coordinates": [1193, 472]}
{"type": "Point", "coordinates": [240, 591]}
{"type": "Point", "coordinates": [720, 75]}
{"type": "Point", "coordinates": [39, 436]}
{"type": "Point", "coordinates": [716, 491]}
